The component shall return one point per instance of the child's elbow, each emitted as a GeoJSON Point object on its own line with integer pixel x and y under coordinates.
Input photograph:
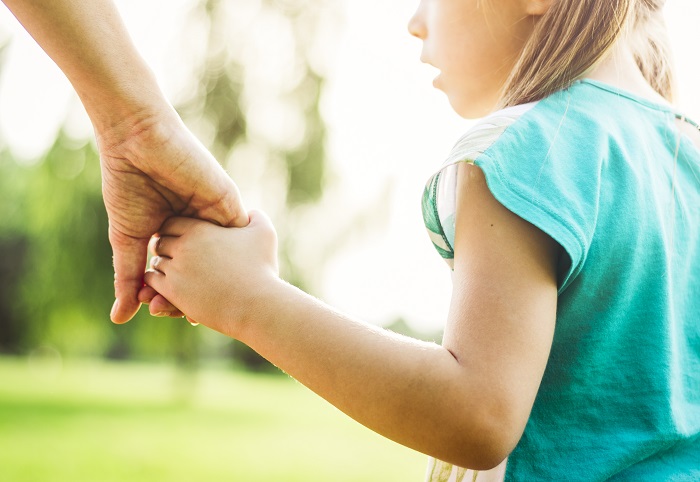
{"type": "Point", "coordinates": [487, 443]}
{"type": "Point", "coordinates": [485, 455]}
{"type": "Point", "coordinates": [484, 458]}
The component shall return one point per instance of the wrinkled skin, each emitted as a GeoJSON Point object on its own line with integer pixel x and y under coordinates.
{"type": "Point", "coordinates": [152, 169]}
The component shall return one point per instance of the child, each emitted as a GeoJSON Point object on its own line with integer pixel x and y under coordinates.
{"type": "Point", "coordinates": [570, 218]}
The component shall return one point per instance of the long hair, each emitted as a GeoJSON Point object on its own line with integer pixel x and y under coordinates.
{"type": "Point", "coordinates": [652, 49]}
{"type": "Point", "coordinates": [573, 36]}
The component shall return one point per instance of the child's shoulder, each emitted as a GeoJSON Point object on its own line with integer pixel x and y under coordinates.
{"type": "Point", "coordinates": [581, 117]}
{"type": "Point", "coordinates": [486, 132]}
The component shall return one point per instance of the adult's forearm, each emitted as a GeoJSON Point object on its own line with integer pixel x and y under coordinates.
{"type": "Point", "coordinates": [90, 44]}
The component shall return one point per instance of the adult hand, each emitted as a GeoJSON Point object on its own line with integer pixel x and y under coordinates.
{"type": "Point", "coordinates": [154, 168]}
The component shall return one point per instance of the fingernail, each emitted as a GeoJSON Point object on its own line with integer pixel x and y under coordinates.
{"type": "Point", "coordinates": [115, 306]}
{"type": "Point", "coordinates": [162, 313]}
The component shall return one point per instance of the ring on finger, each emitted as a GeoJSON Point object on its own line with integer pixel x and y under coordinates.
{"type": "Point", "coordinates": [158, 246]}
{"type": "Point", "coordinates": [156, 262]}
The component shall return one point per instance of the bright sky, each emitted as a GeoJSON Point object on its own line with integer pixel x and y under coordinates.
{"type": "Point", "coordinates": [388, 131]}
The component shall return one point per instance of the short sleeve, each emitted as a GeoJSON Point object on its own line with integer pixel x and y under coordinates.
{"type": "Point", "coordinates": [546, 168]}
{"type": "Point", "coordinates": [541, 161]}
{"type": "Point", "coordinates": [439, 196]}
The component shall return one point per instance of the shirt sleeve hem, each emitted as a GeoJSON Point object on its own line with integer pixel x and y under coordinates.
{"type": "Point", "coordinates": [568, 236]}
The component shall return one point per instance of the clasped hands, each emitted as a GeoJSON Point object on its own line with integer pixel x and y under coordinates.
{"type": "Point", "coordinates": [154, 169]}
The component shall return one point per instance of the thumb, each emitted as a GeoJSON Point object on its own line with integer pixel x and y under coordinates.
{"type": "Point", "coordinates": [129, 266]}
{"type": "Point", "coordinates": [259, 219]}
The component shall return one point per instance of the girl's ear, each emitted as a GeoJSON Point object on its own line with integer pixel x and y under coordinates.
{"type": "Point", "coordinates": [537, 8]}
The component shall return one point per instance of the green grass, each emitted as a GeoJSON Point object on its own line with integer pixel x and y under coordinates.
{"type": "Point", "coordinates": [93, 421]}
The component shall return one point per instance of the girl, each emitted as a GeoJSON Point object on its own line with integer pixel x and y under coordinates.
{"type": "Point", "coordinates": [570, 218]}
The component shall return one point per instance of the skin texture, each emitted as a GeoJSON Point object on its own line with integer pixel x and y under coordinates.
{"type": "Point", "coordinates": [152, 167]}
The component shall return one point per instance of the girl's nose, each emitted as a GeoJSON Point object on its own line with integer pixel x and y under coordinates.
{"type": "Point", "coordinates": [416, 26]}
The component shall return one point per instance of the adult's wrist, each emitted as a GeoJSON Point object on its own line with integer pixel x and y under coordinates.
{"type": "Point", "coordinates": [132, 125]}
{"type": "Point", "coordinates": [124, 103]}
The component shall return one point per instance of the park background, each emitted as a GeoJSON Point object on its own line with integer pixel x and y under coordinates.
{"type": "Point", "coordinates": [322, 113]}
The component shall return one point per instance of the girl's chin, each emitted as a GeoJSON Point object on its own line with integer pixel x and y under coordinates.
{"type": "Point", "coordinates": [463, 105]}
{"type": "Point", "coordinates": [469, 109]}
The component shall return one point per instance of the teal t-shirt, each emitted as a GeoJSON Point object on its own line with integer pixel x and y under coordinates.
{"type": "Point", "coordinates": [614, 181]}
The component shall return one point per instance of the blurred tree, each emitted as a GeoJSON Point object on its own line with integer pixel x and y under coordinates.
{"type": "Point", "coordinates": [66, 287]}
{"type": "Point", "coordinates": [13, 253]}
{"type": "Point", "coordinates": [267, 104]}
{"type": "Point", "coordinates": [256, 100]}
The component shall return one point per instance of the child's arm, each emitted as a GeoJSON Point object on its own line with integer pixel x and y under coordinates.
{"type": "Point", "coordinates": [465, 402]}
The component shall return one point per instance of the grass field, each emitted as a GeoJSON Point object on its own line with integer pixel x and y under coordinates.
{"type": "Point", "coordinates": [93, 421]}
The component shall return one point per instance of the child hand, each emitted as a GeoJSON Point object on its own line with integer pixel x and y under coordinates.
{"type": "Point", "coordinates": [214, 274]}
{"type": "Point", "coordinates": [148, 175]}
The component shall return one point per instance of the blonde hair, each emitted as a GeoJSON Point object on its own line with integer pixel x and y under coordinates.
{"type": "Point", "coordinates": [573, 36]}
